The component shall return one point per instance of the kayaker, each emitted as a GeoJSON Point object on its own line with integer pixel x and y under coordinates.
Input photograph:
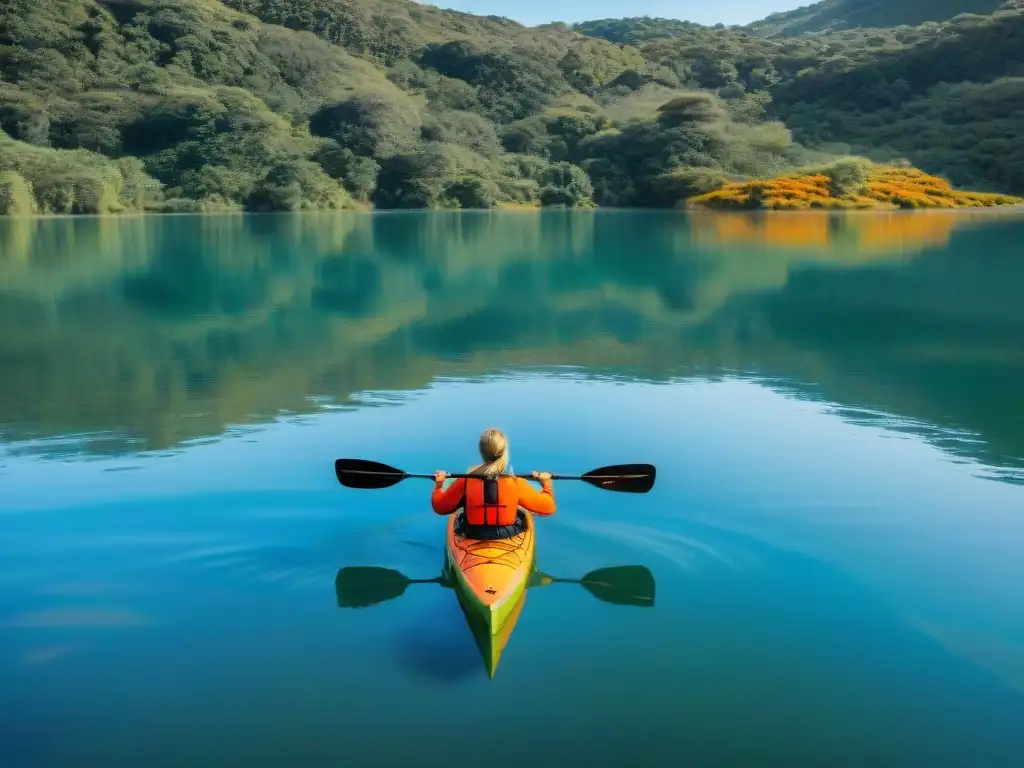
{"type": "Point", "coordinates": [491, 504]}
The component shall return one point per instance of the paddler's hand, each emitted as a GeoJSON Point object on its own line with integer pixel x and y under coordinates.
{"type": "Point", "coordinates": [439, 477]}
{"type": "Point", "coordinates": [544, 477]}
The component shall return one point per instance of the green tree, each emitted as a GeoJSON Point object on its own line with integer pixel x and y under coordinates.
{"type": "Point", "coordinates": [566, 184]}
{"type": "Point", "coordinates": [848, 177]}
{"type": "Point", "coordinates": [297, 185]}
{"type": "Point", "coordinates": [370, 125]}
{"type": "Point", "coordinates": [357, 174]}
{"type": "Point", "coordinates": [691, 108]}
{"type": "Point", "coordinates": [15, 195]}
{"type": "Point", "coordinates": [473, 192]}
{"type": "Point", "coordinates": [464, 129]}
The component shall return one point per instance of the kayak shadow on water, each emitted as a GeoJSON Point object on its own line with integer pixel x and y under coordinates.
{"type": "Point", "coordinates": [365, 586]}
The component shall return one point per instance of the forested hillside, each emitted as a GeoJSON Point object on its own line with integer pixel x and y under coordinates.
{"type": "Point", "coordinates": [178, 105]}
{"type": "Point", "coordinates": [949, 96]}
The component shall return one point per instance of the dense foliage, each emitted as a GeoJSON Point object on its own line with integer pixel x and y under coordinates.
{"type": "Point", "coordinates": [327, 104]}
{"type": "Point", "coordinates": [823, 16]}
{"type": "Point", "coordinates": [637, 29]}
{"type": "Point", "coordinates": [947, 96]}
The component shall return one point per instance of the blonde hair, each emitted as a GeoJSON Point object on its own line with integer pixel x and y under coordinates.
{"type": "Point", "coordinates": [494, 452]}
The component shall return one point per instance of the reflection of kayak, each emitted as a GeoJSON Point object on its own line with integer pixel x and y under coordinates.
{"type": "Point", "coordinates": [490, 575]}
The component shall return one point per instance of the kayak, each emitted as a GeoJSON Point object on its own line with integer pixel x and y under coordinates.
{"type": "Point", "coordinates": [490, 646]}
{"type": "Point", "coordinates": [490, 575]}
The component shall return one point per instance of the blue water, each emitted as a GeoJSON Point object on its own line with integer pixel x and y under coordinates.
{"type": "Point", "coordinates": [836, 532]}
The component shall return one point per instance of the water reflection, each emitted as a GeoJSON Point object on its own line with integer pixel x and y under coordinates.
{"type": "Point", "coordinates": [144, 333]}
{"type": "Point", "coordinates": [365, 586]}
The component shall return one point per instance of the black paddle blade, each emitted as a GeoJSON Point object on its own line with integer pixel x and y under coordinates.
{"type": "Point", "coordinates": [360, 473]}
{"type": "Point", "coordinates": [621, 585]}
{"type": "Point", "coordinates": [362, 586]}
{"type": "Point", "coordinates": [627, 478]}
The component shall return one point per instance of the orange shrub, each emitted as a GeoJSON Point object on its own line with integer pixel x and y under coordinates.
{"type": "Point", "coordinates": [888, 187]}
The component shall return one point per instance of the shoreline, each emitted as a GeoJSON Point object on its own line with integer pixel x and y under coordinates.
{"type": "Point", "coordinates": [701, 210]}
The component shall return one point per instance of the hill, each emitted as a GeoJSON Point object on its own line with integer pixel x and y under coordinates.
{"type": "Point", "coordinates": [635, 30]}
{"type": "Point", "coordinates": [822, 17]}
{"type": "Point", "coordinates": [282, 104]}
{"type": "Point", "coordinates": [833, 15]}
{"type": "Point", "coordinates": [944, 96]}
{"type": "Point", "coordinates": [185, 105]}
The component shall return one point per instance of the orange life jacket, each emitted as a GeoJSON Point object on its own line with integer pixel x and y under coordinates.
{"type": "Point", "coordinates": [493, 501]}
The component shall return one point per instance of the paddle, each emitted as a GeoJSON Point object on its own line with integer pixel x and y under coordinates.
{"type": "Point", "coordinates": [621, 585]}
{"type": "Point", "coordinates": [363, 586]}
{"type": "Point", "coordinates": [626, 478]}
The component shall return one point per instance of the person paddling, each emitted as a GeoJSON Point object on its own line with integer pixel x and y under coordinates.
{"type": "Point", "coordinates": [491, 503]}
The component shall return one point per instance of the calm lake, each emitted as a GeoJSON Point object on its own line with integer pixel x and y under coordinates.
{"type": "Point", "coordinates": [835, 405]}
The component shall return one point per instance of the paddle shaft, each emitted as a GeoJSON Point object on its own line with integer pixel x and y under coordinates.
{"type": "Point", "coordinates": [465, 475]}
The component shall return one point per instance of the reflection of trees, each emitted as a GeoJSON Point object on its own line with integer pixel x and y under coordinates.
{"type": "Point", "coordinates": [173, 327]}
{"type": "Point", "coordinates": [941, 340]}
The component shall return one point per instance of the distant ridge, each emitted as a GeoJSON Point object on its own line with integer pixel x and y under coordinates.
{"type": "Point", "coordinates": [834, 15]}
